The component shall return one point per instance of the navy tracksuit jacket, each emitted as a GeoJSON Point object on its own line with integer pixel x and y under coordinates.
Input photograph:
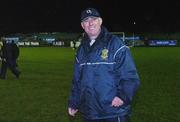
{"type": "Point", "coordinates": [101, 72]}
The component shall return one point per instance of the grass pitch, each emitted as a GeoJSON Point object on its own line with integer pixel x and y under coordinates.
{"type": "Point", "coordinates": [41, 93]}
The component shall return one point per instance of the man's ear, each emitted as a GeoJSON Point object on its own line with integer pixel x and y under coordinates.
{"type": "Point", "coordinates": [82, 25]}
{"type": "Point", "coordinates": [100, 19]}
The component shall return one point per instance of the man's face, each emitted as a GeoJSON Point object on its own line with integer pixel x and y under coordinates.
{"type": "Point", "coordinates": [92, 26]}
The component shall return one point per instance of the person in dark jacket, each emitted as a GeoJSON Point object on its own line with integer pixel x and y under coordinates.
{"type": "Point", "coordinates": [105, 77]}
{"type": "Point", "coordinates": [10, 53]}
{"type": "Point", "coordinates": [15, 52]}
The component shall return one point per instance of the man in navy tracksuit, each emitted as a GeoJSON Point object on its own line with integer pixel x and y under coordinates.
{"type": "Point", "coordinates": [10, 53]}
{"type": "Point", "coordinates": [105, 77]}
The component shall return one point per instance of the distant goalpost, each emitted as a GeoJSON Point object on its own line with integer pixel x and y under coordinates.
{"type": "Point", "coordinates": [127, 42]}
{"type": "Point", "coordinates": [120, 35]}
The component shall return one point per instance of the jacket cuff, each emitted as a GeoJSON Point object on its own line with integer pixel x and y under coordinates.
{"type": "Point", "coordinates": [72, 105]}
{"type": "Point", "coordinates": [123, 97]}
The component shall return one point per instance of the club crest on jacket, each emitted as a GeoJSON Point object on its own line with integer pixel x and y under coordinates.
{"type": "Point", "coordinates": [104, 54]}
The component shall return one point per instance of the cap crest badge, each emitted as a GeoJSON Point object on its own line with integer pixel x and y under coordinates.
{"type": "Point", "coordinates": [89, 11]}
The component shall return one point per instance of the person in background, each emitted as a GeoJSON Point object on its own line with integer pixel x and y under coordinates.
{"type": "Point", "coordinates": [15, 53]}
{"type": "Point", "coordinates": [9, 55]}
{"type": "Point", "coordinates": [105, 76]}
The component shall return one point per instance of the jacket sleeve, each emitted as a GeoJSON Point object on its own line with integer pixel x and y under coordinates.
{"type": "Point", "coordinates": [15, 52]}
{"type": "Point", "coordinates": [75, 90]}
{"type": "Point", "coordinates": [126, 75]}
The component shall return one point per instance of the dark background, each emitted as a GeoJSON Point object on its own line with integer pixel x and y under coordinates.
{"type": "Point", "coordinates": [64, 15]}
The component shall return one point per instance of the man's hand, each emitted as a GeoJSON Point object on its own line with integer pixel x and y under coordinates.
{"type": "Point", "coordinates": [116, 102]}
{"type": "Point", "coordinates": [72, 112]}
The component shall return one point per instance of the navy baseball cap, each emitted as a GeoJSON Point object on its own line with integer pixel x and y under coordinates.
{"type": "Point", "coordinates": [89, 12]}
